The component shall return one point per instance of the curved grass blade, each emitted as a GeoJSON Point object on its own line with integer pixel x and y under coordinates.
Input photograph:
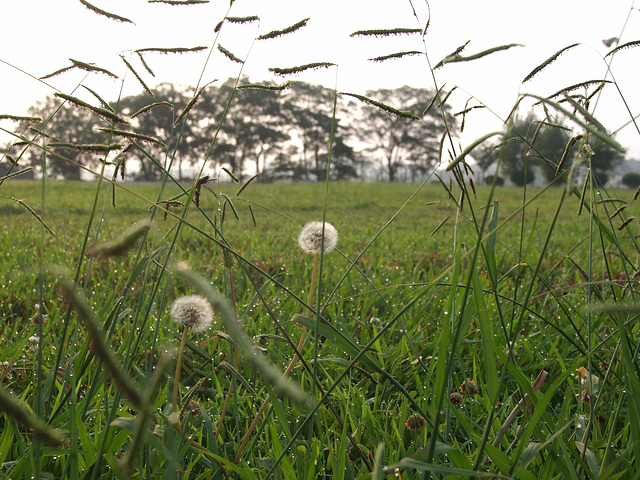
{"type": "Point", "coordinates": [246, 184]}
{"type": "Point", "coordinates": [135, 74]}
{"type": "Point", "coordinates": [385, 32]}
{"type": "Point", "coordinates": [170, 50]}
{"type": "Point", "coordinates": [133, 136]}
{"type": "Point", "coordinates": [89, 67]}
{"type": "Point", "coordinates": [22, 203]}
{"type": "Point", "coordinates": [18, 118]}
{"type": "Point", "coordinates": [438, 97]}
{"type": "Point", "coordinates": [576, 86]}
{"type": "Point", "coordinates": [191, 103]}
{"type": "Point", "coordinates": [284, 31]}
{"type": "Point", "coordinates": [258, 86]}
{"type": "Point", "coordinates": [101, 112]}
{"type": "Point", "coordinates": [394, 56]}
{"type": "Point", "coordinates": [459, 58]}
{"type": "Point", "coordinates": [231, 174]}
{"type": "Point", "coordinates": [237, 375]}
{"type": "Point", "coordinates": [634, 43]}
{"type": "Point", "coordinates": [468, 150]}
{"type": "Point", "coordinates": [249, 19]}
{"type": "Point", "coordinates": [547, 62]}
{"type": "Point", "coordinates": [382, 106]}
{"type": "Point", "coordinates": [300, 68]}
{"type": "Point", "coordinates": [123, 243]}
{"type": "Point", "coordinates": [490, 245]}
{"type": "Point", "coordinates": [99, 345]}
{"type": "Point", "coordinates": [229, 55]}
{"type": "Point", "coordinates": [90, 147]}
{"type": "Point", "coordinates": [19, 411]}
{"type": "Point", "coordinates": [57, 72]}
{"type": "Point", "coordinates": [377, 473]}
{"type": "Point", "coordinates": [565, 154]}
{"type": "Point", "coordinates": [15, 174]}
{"type": "Point", "coordinates": [599, 132]}
{"type": "Point", "coordinates": [99, 98]}
{"type": "Point", "coordinates": [149, 107]}
{"type": "Point", "coordinates": [99, 11]}
{"type": "Point", "coordinates": [145, 65]}
{"type": "Point", "coordinates": [486, 336]}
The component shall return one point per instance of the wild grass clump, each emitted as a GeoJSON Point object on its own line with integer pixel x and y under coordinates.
{"type": "Point", "coordinates": [216, 328]}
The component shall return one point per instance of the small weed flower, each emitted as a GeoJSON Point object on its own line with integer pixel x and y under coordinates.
{"type": "Point", "coordinates": [415, 422]}
{"type": "Point", "coordinates": [456, 398]}
{"type": "Point", "coordinates": [470, 387]}
{"type": "Point", "coordinates": [192, 311]}
{"type": "Point", "coordinates": [34, 342]}
{"type": "Point", "coordinates": [310, 238]}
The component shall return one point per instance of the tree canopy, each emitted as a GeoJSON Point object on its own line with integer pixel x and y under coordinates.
{"type": "Point", "coordinates": [279, 133]}
{"type": "Point", "coordinates": [531, 147]}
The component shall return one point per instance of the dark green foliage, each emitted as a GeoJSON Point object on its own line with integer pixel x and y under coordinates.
{"type": "Point", "coordinates": [71, 126]}
{"type": "Point", "coordinates": [631, 180]}
{"type": "Point", "coordinates": [254, 134]}
{"type": "Point", "coordinates": [603, 161]}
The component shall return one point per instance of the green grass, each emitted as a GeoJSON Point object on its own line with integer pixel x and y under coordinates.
{"type": "Point", "coordinates": [430, 312]}
{"type": "Point", "coordinates": [528, 295]}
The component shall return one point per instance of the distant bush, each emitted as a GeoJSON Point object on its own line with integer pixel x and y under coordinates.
{"type": "Point", "coordinates": [489, 181]}
{"type": "Point", "coordinates": [631, 180]}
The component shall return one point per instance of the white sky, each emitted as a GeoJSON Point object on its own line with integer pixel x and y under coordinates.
{"type": "Point", "coordinates": [39, 36]}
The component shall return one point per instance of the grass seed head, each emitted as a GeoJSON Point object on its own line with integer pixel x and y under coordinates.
{"type": "Point", "coordinates": [310, 238]}
{"type": "Point", "coordinates": [192, 311]}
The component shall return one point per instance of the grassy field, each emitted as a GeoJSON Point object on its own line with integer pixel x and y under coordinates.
{"type": "Point", "coordinates": [499, 339]}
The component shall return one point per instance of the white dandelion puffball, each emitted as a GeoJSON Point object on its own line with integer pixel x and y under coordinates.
{"type": "Point", "coordinates": [310, 238]}
{"type": "Point", "coordinates": [192, 311]}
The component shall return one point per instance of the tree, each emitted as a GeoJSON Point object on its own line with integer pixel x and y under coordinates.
{"type": "Point", "coordinates": [631, 180]}
{"type": "Point", "coordinates": [603, 161]}
{"type": "Point", "coordinates": [399, 141]}
{"type": "Point", "coordinates": [485, 155]}
{"type": "Point", "coordinates": [183, 142]}
{"type": "Point", "coordinates": [532, 144]}
{"type": "Point", "coordinates": [549, 146]}
{"type": "Point", "coordinates": [64, 123]}
{"type": "Point", "coordinates": [252, 130]}
{"type": "Point", "coordinates": [517, 162]}
{"type": "Point", "coordinates": [309, 109]}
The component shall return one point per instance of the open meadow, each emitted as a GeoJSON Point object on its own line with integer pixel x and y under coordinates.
{"type": "Point", "coordinates": [421, 266]}
{"type": "Point", "coordinates": [499, 338]}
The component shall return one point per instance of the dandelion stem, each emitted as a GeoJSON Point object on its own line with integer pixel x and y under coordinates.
{"type": "Point", "coordinates": [176, 381]}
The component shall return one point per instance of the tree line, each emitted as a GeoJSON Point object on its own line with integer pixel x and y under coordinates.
{"type": "Point", "coordinates": [282, 133]}
{"type": "Point", "coordinates": [258, 129]}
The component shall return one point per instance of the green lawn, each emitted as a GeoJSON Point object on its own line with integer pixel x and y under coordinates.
{"type": "Point", "coordinates": [418, 298]}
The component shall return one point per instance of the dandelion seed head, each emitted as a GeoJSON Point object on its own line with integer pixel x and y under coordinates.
{"type": "Point", "coordinates": [192, 311]}
{"type": "Point", "coordinates": [310, 238]}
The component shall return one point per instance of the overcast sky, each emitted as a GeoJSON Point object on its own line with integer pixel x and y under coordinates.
{"type": "Point", "coordinates": [39, 36]}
